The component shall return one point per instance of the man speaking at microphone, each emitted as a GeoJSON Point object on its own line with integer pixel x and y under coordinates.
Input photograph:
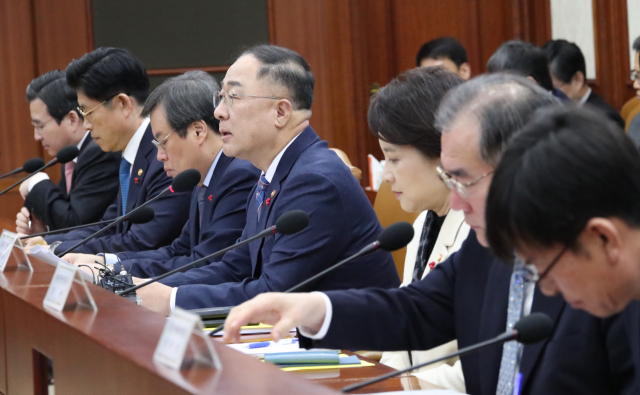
{"type": "Point", "coordinates": [264, 109]}
{"type": "Point", "coordinates": [112, 86]}
{"type": "Point", "coordinates": [89, 183]}
{"type": "Point", "coordinates": [188, 138]}
{"type": "Point", "coordinates": [472, 296]}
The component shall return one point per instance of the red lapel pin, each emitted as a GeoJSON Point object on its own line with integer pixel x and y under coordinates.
{"type": "Point", "coordinates": [210, 197]}
{"type": "Point", "coordinates": [268, 201]}
{"type": "Point", "coordinates": [432, 265]}
{"type": "Point", "coordinates": [135, 180]}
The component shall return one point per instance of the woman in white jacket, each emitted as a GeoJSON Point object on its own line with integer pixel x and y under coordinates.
{"type": "Point", "coordinates": [402, 116]}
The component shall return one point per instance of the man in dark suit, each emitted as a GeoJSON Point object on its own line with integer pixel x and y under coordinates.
{"type": "Point", "coordinates": [88, 184]}
{"type": "Point", "coordinates": [569, 74]}
{"type": "Point", "coordinates": [467, 296]}
{"type": "Point", "coordinates": [264, 110]}
{"type": "Point", "coordinates": [446, 52]}
{"type": "Point", "coordinates": [112, 86]}
{"type": "Point", "coordinates": [187, 134]}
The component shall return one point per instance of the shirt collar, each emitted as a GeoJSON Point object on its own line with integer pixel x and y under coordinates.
{"type": "Point", "coordinates": [80, 144]}
{"type": "Point", "coordinates": [274, 165]}
{"type": "Point", "coordinates": [131, 150]}
{"type": "Point", "coordinates": [207, 179]}
{"type": "Point", "coordinates": [584, 98]}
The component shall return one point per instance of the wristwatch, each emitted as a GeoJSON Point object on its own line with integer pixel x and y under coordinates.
{"type": "Point", "coordinates": [52, 246]}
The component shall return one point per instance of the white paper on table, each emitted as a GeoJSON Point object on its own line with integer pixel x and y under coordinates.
{"type": "Point", "coordinates": [49, 257]}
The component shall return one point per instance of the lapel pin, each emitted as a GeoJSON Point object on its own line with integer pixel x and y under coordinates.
{"type": "Point", "coordinates": [136, 180]}
{"type": "Point", "coordinates": [273, 193]}
{"type": "Point", "coordinates": [432, 264]}
{"type": "Point", "coordinates": [268, 201]}
{"type": "Point", "coordinates": [440, 258]}
{"type": "Point", "coordinates": [140, 172]}
{"type": "Point", "coordinates": [210, 197]}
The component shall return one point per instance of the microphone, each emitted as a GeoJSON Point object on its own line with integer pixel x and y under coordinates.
{"type": "Point", "coordinates": [139, 217]}
{"type": "Point", "coordinates": [289, 223]}
{"type": "Point", "coordinates": [183, 182]}
{"type": "Point", "coordinates": [530, 329]}
{"type": "Point", "coordinates": [392, 238]}
{"type": "Point", "coordinates": [67, 154]}
{"type": "Point", "coordinates": [30, 166]}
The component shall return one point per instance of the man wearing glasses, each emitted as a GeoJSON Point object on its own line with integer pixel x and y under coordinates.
{"type": "Point", "coordinates": [112, 86]}
{"type": "Point", "coordinates": [186, 134]}
{"type": "Point", "coordinates": [88, 184]}
{"type": "Point", "coordinates": [472, 296]}
{"type": "Point", "coordinates": [264, 109]}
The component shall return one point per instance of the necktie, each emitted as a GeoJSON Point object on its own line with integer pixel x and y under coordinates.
{"type": "Point", "coordinates": [430, 231]}
{"type": "Point", "coordinates": [512, 351]}
{"type": "Point", "coordinates": [263, 185]}
{"type": "Point", "coordinates": [124, 183]}
{"type": "Point", "coordinates": [68, 173]}
{"type": "Point", "coordinates": [201, 191]}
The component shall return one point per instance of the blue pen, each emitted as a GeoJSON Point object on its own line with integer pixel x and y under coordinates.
{"type": "Point", "coordinates": [259, 345]}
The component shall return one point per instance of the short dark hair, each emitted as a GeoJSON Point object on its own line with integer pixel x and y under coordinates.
{"type": "Point", "coordinates": [186, 98]}
{"type": "Point", "coordinates": [106, 72]}
{"type": "Point", "coordinates": [287, 68]}
{"type": "Point", "coordinates": [522, 58]}
{"type": "Point", "coordinates": [502, 104]}
{"type": "Point", "coordinates": [57, 95]}
{"type": "Point", "coordinates": [403, 112]}
{"type": "Point", "coordinates": [636, 44]}
{"type": "Point", "coordinates": [443, 47]}
{"type": "Point", "coordinates": [565, 60]}
{"type": "Point", "coordinates": [567, 166]}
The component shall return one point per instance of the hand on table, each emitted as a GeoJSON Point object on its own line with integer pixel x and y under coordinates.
{"type": "Point", "coordinates": [156, 297]}
{"type": "Point", "coordinates": [30, 243]}
{"type": "Point", "coordinates": [283, 311]}
{"type": "Point", "coordinates": [83, 259]}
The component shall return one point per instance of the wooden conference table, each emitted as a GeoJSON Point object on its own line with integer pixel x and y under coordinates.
{"type": "Point", "coordinates": [110, 351]}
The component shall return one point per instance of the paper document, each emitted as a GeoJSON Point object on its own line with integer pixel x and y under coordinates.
{"type": "Point", "coordinates": [49, 257]}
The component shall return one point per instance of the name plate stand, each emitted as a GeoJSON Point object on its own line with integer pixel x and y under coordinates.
{"type": "Point", "coordinates": [9, 240]}
{"type": "Point", "coordinates": [183, 343]}
{"type": "Point", "coordinates": [68, 290]}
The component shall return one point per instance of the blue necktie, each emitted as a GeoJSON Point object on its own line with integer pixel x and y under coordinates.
{"type": "Point", "coordinates": [263, 185]}
{"type": "Point", "coordinates": [124, 183]}
{"type": "Point", "coordinates": [201, 191]}
{"type": "Point", "coordinates": [512, 351]}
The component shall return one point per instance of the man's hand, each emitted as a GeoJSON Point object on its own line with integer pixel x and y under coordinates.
{"type": "Point", "coordinates": [22, 223]}
{"type": "Point", "coordinates": [83, 259]}
{"type": "Point", "coordinates": [24, 189]}
{"type": "Point", "coordinates": [156, 297]}
{"type": "Point", "coordinates": [33, 242]}
{"type": "Point", "coordinates": [283, 311]}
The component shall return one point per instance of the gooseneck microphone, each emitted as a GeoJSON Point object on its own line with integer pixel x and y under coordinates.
{"type": "Point", "coordinates": [288, 223]}
{"type": "Point", "coordinates": [392, 238]}
{"type": "Point", "coordinates": [67, 154]}
{"type": "Point", "coordinates": [530, 329]}
{"type": "Point", "coordinates": [183, 182]}
{"type": "Point", "coordinates": [30, 166]}
{"type": "Point", "coordinates": [139, 217]}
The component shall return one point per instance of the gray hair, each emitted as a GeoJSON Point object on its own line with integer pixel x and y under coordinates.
{"type": "Point", "coordinates": [186, 98]}
{"type": "Point", "coordinates": [501, 103]}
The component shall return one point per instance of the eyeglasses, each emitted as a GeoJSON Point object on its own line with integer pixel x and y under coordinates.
{"type": "Point", "coordinates": [635, 76]}
{"type": "Point", "coordinates": [552, 264]}
{"type": "Point", "coordinates": [227, 98]}
{"type": "Point", "coordinates": [86, 114]}
{"type": "Point", "coordinates": [161, 144]}
{"type": "Point", "coordinates": [40, 126]}
{"type": "Point", "coordinates": [452, 183]}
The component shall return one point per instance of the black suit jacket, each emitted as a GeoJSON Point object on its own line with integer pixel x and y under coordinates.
{"type": "Point", "coordinates": [596, 101]}
{"type": "Point", "coordinates": [148, 179]}
{"type": "Point", "coordinates": [466, 297]}
{"type": "Point", "coordinates": [94, 186]}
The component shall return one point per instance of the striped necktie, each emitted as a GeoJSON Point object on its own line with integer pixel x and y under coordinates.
{"type": "Point", "coordinates": [125, 176]}
{"type": "Point", "coordinates": [261, 189]}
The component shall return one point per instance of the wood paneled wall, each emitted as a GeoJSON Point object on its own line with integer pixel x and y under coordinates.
{"type": "Point", "coordinates": [353, 46]}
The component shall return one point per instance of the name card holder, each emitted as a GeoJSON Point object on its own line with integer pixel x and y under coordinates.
{"type": "Point", "coordinates": [68, 290]}
{"type": "Point", "coordinates": [10, 245]}
{"type": "Point", "coordinates": [184, 345]}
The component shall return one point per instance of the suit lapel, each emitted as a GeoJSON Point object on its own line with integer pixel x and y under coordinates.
{"type": "Point", "coordinates": [139, 170]}
{"type": "Point", "coordinates": [552, 307]}
{"type": "Point", "coordinates": [79, 164]}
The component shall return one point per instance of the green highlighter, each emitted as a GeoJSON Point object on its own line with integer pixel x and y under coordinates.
{"type": "Point", "coordinates": [304, 357]}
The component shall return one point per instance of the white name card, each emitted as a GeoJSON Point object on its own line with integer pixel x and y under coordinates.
{"type": "Point", "coordinates": [59, 288]}
{"type": "Point", "coordinates": [175, 338]}
{"type": "Point", "coordinates": [7, 241]}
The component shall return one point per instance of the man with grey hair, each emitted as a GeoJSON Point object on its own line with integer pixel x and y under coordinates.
{"type": "Point", "coordinates": [186, 134]}
{"type": "Point", "coordinates": [471, 295]}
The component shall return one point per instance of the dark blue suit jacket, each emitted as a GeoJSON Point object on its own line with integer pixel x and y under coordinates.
{"type": "Point", "coordinates": [466, 298]}
{"type": "Point", "coordinates": [171, 211]}
{"type": "Point", "coordinates": [632, 320]}
{"type": "Point", "coordinates": [312, 178]}
{"type": "Point", "coordinates": [222, 222]}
